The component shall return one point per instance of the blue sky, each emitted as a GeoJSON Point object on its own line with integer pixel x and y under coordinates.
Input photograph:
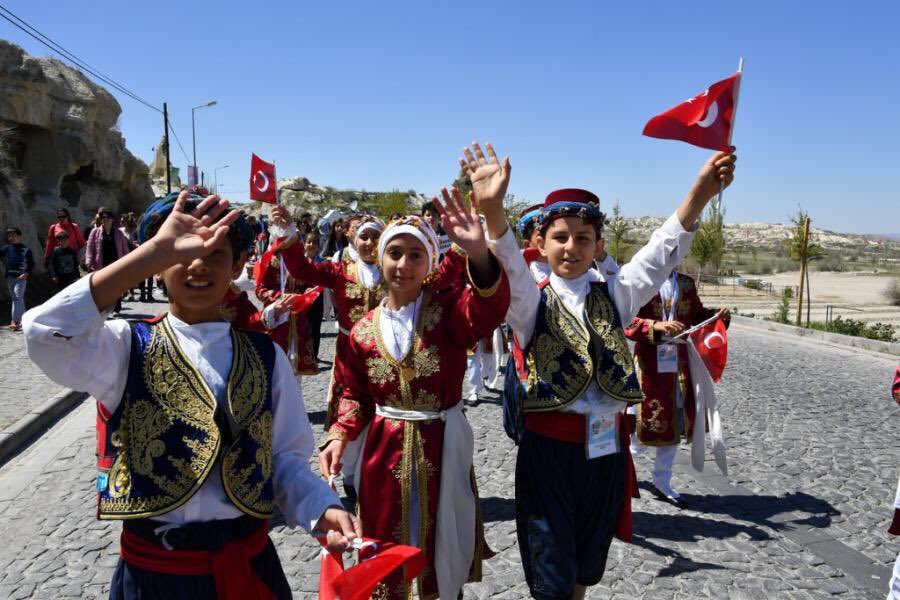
{"type": "Point", "coordinates": [384, 95]}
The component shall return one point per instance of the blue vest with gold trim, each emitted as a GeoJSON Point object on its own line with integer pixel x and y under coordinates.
{"type": "Point", "coordinates": [168, 432]}
{"type": "Point", "coordinates": [563, 356]}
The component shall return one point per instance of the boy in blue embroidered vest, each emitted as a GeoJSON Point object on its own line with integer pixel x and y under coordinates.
{"type": "Point", "coordinates": [205, 428]}
{"type": "Point", "coordinates": [571, 473]}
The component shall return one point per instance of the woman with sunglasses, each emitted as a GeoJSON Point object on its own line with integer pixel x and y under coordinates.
{"type": "Point", "coordinates": [63, 223]}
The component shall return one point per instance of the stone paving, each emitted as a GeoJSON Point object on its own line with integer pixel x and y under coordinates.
{"type": "Point", "coordinates": [813, 461]}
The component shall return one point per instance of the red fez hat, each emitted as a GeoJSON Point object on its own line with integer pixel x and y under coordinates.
{"type": "Point", "coordinates": [572, 195]}
{"type": "Point", "coordinates": [530, 209]}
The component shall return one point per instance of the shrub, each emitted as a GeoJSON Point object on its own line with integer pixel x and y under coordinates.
{"type": "Point", "coordinates": [892, 292]}
{"type": "Point", "coordinates": [878, 331]}
{"type": "Point", "coordinates": [753, 284]}
{"type": "Point", "coordinates": [781, 313]}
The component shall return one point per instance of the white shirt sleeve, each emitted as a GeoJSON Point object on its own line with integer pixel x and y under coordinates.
{"type": "Point", "coordinates": [525, 296]}
{"type": "Point", "coordinates": [270, 320]}
{"type": "Point", "coordinates": [302, 495]}
{"type": "Point", "coordinates": [75, 346]}
{"type": "Point", "coordinates": [640, 278]}
{"type": "Point", "coordinates": [609, 266]}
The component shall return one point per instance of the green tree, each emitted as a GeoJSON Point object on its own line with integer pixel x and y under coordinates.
{"type": "Point", "coordinates": [617, 236]}
{"type": "Point", "coordinates": [709, 243]}
{"type": "Point", "coordinates": [391, 202]}
{"type": "Point", "coordinates": [793, 246]}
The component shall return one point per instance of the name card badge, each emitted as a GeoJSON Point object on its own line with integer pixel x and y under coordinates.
{"type": "Point", "coordinates": [602, 434]}
{"type": "Point", "coordinates": [667, 358]}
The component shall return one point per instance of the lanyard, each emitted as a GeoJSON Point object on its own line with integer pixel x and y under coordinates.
{"type": "Point", "coordinates": [670, 314]}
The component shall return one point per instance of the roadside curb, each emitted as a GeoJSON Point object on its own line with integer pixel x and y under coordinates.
{"type": "Point", "coordinates": [888, 348]}
{"type": "Point", "coordinates": [16, 436]}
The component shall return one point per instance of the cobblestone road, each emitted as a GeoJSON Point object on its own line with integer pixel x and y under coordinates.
{"type": "Point", "coordinates": [813, 460]}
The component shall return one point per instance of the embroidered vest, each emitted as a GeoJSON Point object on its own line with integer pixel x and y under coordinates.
{"type": "Point", "coordinates": [164, 438]}
{"type": "Point", "coordinates": [563, 356]}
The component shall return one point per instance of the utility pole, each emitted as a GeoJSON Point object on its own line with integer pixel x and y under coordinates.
{"type": "Point", "coordinates": [166, 148]}
{"type": "Point", "coordinates": [803, 256]}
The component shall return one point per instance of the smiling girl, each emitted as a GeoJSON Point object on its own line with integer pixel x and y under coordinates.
{"type": "Point", "coordinates": [402, 395]}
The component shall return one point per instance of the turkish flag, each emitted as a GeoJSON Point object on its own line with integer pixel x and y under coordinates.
{"type": "Point", "coordinates": [262, 181]}
{"type": "Point", "coordinates": [377, 560]}
{"type": "Point", "coordinates": [705, 120]}
{"type": "Point", "coordinates": [711, 342]}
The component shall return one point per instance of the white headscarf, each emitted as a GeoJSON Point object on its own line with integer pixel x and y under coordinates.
{"type": "Point", "coordinates": [419, 229]}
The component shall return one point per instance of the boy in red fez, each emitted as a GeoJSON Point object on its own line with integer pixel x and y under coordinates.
{"type": "Point", "coordinates": [573, 471]}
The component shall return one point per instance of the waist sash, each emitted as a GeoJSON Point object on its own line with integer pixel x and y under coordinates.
{"type": "Point", "coordinates": [229, 565]}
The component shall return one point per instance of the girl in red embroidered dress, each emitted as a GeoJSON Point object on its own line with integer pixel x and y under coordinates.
{"type": "Point", "coordinates": [402, 395]}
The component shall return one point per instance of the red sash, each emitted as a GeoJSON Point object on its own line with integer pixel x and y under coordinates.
{"type": "Point", "coordinates": [230, 565]}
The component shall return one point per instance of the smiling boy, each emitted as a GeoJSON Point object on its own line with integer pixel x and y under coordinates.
{"type": "Point", "coordinates": [571, 472]}
{"type": "Point", "coordinates": [203, 426]}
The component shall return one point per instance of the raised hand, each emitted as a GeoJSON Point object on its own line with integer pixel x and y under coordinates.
{"type": "Point", "coordinates": [489, 176]}
{"type": "Point", "coordinates": [462, 225]}
{"type": "Point", "coordinates": [281, 216]}
{"type": "Point", "coordinates": [185, 236]}
{"type": "Point", "coordinates": [718, 170]}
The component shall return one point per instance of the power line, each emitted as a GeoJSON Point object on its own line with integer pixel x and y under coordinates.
{"type": "Point", "coordinates": [18, 22]}
{"type": "Point", "coordinates": [178, 141]}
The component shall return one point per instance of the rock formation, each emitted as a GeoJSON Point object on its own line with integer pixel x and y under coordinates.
{"type": "Point", "coordinates": [61, 148]}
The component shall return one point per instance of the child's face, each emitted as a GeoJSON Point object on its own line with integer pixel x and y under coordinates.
{"type": "Point", "coordinates": [310, 245]}
{"type": "Point", "coordinates": [62, 241]}
{"type": "Point", "coordinates": [432, 218]}
{"type": "Point", "coordinates": [196, 289]}
{"type": "Point", "coordinates": [366, 244]}
{"type": "Point", "coordinates": [569, 244]}
{"type": "Point", "coordinates": [13, 238]}
{"type": "Point", "coordinates": [405, 264]}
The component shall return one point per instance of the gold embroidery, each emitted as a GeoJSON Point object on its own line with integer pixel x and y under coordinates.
{"type": "Point", "coordinates": [653, 422]}
{"type": "Point", "coordinates": [427, 362]}
{"type": "Point", "coordinates": [431, 316]}
{"type": "Point", "coordinates": [364, 332]}
{"type": "Point", "coordinates": [379, 370]}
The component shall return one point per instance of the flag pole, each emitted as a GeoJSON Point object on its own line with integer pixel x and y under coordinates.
{"type": "Point", "coordinates": [737, 93]}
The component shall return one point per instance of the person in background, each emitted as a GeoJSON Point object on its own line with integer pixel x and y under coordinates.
{"type": "Point", "coordinates": [63, 267]}
{"type": "Point", "coordinates": [106, 244]}
{"type": "Point", "coordinates": [311, 245]}
{"type": "Point", "coordinates": [430, 213]}
{"type": "Point", "coordinates": [18, 263]}
{"type": "Point", "coordinates": [63, 223]}
{"type": "Point", "coordinates": [129, 230]}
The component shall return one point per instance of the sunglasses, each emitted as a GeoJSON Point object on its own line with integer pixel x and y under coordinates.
{"type": "Point", "coordinates": [107, 217]}
{"type": "Point", "coordinates": [62, 217]}
{"type": "Point", "coordinates": [62, 237]}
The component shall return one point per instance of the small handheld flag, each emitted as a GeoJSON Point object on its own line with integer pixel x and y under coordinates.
{"type": "Point", "coordinates": [706, 120]}
{"type": "Point", "coordinates": [262, 181]}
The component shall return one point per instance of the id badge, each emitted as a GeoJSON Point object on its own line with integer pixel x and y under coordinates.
{"type": "Point", "coordinates": [602, 434]}
{"type": "Point", "coordinates": [666, 358]}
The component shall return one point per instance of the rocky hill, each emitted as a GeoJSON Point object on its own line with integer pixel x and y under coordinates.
{"type": "Point", "coordinates": [60, 147]}
{"type": "Point", "coordinates": [766, 235]}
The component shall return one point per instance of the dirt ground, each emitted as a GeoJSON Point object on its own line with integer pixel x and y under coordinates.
{"type": "Point", "coordinates": [851, 295]}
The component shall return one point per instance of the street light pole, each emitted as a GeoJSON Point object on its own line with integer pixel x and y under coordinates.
{"type": "Point", "coordinates": [194, 130]}
{"type": "Point", "coordinates": [216, 178]}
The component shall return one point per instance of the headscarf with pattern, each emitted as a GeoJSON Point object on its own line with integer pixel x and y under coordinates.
{"type": "Point", "coordinates": [419, 229]}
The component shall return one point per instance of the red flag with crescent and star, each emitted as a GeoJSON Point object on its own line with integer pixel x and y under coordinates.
{"type": "Point", "coordinates": [711, 342]}
{"type": "Point", "coordinates": [705, 120]}
{"type": "Point", "coordinates": [262, 181]}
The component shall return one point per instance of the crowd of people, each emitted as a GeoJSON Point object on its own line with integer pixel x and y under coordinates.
{"type": "Point", "coordinates": [202, 430]}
